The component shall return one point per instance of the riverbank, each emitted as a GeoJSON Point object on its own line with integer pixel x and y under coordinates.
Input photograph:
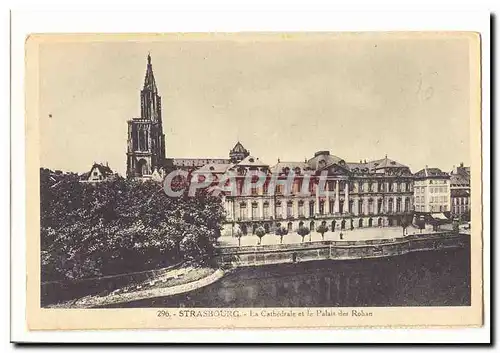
{"type": "Point", "coordinates": [191, 278]}
{"type": "Point", "coordinates": [245, 256]}
{"type": "Point", "coordinates": [174, 282]}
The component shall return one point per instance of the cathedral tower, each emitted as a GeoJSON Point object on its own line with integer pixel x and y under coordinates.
{"type": "Point", "coordinates": [146, 141]}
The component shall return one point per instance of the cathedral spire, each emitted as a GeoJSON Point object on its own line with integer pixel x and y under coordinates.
{"type": "Point", "coordinates": [149, 79]}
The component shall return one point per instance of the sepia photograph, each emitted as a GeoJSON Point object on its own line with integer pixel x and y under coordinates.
{"type": "Point", "coordinates": [255, 177]}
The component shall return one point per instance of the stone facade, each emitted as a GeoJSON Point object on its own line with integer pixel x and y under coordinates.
{"type": "Point", "coordinates": [460, 191]}
{"type": "Point", "coordinates": [352, 195]}
{"type": "Point", "coordinates": [432, 191]}
{"type": "Point", "coordinates": [146, 141]}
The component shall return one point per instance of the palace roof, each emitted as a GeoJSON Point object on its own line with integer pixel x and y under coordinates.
{"type": "Point", "coordinates": [323, 159]}
{"type": "Point", "coordinates": [215, 168]}
{"type": "Point", "coordinates": [431, 173]}
{"type": "Point", "coordinates": [251, 161]}
{"type": "Point", "coordinates": [281, 167]}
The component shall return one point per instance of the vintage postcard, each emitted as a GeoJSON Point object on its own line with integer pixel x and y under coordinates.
{"type": "Point", "coordinates": [253, 180]}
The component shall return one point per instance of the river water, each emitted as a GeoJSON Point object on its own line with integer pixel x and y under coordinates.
{"type": "Point", "coordinates": [430, 278]}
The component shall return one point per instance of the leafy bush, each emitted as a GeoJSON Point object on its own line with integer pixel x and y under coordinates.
{"type": "Point", "coordinates": [120, 226]}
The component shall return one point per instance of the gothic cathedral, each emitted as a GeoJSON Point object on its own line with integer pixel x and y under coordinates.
{"type": "Point", "coordinates": [146, 140]}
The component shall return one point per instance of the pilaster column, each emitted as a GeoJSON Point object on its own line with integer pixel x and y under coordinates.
{"type": "Point", "coordinates": [327, 202]}
{"type": "Point", "coordinates": [316, 203]}
{"type": "Point", "coordinates": [346, 197]}
{"type": "Point", "coordinates": [337, 196]}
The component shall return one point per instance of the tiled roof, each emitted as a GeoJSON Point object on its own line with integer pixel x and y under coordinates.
{"type": "Point", "coordinates": [239, 148]}
{"type": "Point", "coordinates": [282, 166]}
{"type": "Point", "coordinates": [251, 161]}
{"type": "Point", "coordinates": [459, 180]}
{"type": "Point", "coordinates": [196, 162]}
{"type": "Point", "coordinates": [215, 168]}
{"type": "Point", "coordinates": [104, 169]}
{"type": "Point", "coordinates": [322, 160]}
{"type": "Point", "coordinates": [384, 163]}
{"type": "Point", "coordinates": [430, 172]}
{"type": "Point", "coordinates": [373, 166]}
{"type": "Point", "coordinates": [459, 193]}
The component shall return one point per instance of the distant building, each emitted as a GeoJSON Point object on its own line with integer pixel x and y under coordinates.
{"type": "Point", "coordinates": [432, 191]}
{"type": "Point", "coordinates": [355, 195]}
{"type": "Point", "coordinates": [98, 173]}
{"type": "Point", "coordinates": [460, 191]}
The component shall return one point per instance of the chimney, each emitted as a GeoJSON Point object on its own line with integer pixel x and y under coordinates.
{"type": "Point", "coordinates": [278, 160]}
{"type": "Point", "coordinates": [461, 164]}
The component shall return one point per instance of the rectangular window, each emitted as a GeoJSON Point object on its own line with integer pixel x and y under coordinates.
{"type": "Point", "coordinates": [243, 211]}
{"type": "Point", "coordinates": [289, 212]}
{"type": "Point", "coordinates": [301, 209]}
{"type": "Point", "coordinates": [279, 213]}
{"type": "Point", "coordinates": [266, 210]}
{"type": "Point", "coordinates": [254, 211]}
{"type": "Point", "coordinates": [331, 206]}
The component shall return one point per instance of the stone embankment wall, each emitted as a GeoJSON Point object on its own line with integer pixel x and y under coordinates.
{"type": "Point", "coordinates": [337, 250]}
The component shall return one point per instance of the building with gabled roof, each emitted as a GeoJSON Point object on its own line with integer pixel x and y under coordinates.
{"type": "Point", "coordinates": [98, 173]}
{"type": "Point", "coordinates": [460, 191]}
{"type": "Point", "coordinates": [432, 191]}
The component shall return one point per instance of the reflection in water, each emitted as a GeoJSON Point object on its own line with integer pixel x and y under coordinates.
{"type": "Point", "coordinates": [431, 278]}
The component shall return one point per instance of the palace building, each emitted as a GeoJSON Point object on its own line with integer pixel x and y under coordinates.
{"type": "Point", "coordinates": [340, 194]}
{"type": "Point", "coordinates": [354, 195]}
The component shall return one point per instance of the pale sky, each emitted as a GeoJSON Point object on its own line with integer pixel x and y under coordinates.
{"type": "Point", "coordinates": [358, 96]}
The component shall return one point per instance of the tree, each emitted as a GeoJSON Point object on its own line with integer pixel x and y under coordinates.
{"type": "Point", "coordinates": [303, 231]}
{"type": "Point", "coordinates": [120, 226]}
{"type": "Point", "coordinates": [281, 231]}
{"type": "Point", "coordinates": [322, 229]}
{"type": "Point", "coordinates": [260, 232]}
